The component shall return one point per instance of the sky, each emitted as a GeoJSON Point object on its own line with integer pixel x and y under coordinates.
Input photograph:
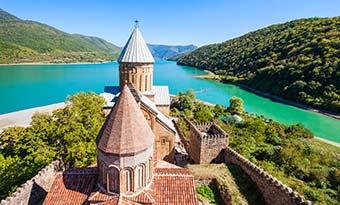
{"type": "Point", "coordinates": [170, 22]}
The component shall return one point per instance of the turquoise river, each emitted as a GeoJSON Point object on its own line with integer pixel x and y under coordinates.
{"type": "Point", "coordinates": [26, 86]}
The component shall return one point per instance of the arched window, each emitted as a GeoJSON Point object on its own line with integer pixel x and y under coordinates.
{"type": "Point", "coordinates": [146, 82]}
{"type": "Point", "coordinates": [127, 180]}
{"type": "Point", "coordinates": [141, 82]}
{"type": "Point", "coordinates": [147, 173]}
{"type": "Point", "coordinates": [150, 168]}
{"type": "Point", "coordinates": [113, 179]}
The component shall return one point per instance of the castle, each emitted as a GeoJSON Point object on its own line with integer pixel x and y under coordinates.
{"type": "Point", "coordinates": [136, 144]}
{"type": "Point", "coordinates": [135, 138]}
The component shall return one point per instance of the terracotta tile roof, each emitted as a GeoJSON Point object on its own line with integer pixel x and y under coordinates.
{"type": "Point", "coordinates": [174, 187]}
{"type": "Point", "coordinates": [125, 130]}
{"type": "Point", "coordinates": [171, 185]}
{"type": "Point", "coordinates": [72, 187]}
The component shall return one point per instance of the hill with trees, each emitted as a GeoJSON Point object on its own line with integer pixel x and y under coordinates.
{"type": "Point", "coordinates": [25, 41]}
{"type": "Point", "coordinates": [298, 61]}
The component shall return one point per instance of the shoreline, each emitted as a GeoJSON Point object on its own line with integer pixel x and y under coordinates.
{"type": "Point", "coordinates": [44, 63]}
{"type": "Point", "coordinates": [211, 76]}
{"type": "Point", "coordinates": [23, 118]}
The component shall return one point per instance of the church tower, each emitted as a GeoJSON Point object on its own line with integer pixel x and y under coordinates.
{"type": "Point", "coordinates": [136, 63]}
{"type": "Point", "coordinates": [125, 148]}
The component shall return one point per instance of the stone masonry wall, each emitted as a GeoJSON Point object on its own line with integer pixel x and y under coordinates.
{"type": "Point", "coordinates": [207, 141]}
{"type": "Point", "coordinates": [273, 191]}
{"type": "Point", "coordinates": [35, 189]}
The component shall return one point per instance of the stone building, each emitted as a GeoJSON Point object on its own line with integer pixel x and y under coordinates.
{"type": "Point", "coordinates": [207, 141]}
{"type": "Point", "coordinates": [127, 171]}
{"type": "Point", "coordinates": [136, 69]}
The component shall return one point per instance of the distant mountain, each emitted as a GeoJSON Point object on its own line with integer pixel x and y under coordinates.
{"type": "Point", "coordinates": [25, 41]}
{"type": "Point", "coordinates": [164, 52]}
{"type": "Point", "coordinates": [297, 60]}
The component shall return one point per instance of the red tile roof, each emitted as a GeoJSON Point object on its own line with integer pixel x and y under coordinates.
{"type": "Point", "coordinates": [125, 130]}
{"type": "Point", "coordinates": [72, 187]}
{"type": "Point", "coordinates": [174, 187]}
{"type": "Point", "coordinates": [171, 185]}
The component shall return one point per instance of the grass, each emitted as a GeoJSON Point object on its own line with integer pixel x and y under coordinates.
{"type": "Point", "coordinates": [209, 193]}
{"type": "Point", "coordinates": [232, 178]}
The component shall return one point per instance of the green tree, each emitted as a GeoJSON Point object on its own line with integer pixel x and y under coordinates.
{"type": "Point", "coordinates": [68, 134]}
{"type": "Point", "coordinates": [203, 113]}
{"type": "Point", "coordinates": [184, 100]}
{"type": "Point", "coordinates": [236, 105]}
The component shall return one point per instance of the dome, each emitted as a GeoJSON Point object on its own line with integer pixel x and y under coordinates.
{"type": "Point", "coordinates": [125, 131]}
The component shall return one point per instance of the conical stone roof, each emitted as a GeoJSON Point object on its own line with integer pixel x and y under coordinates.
{"type": "Point", "coordinates": [136, 50]}
{"type": "Point", "coordinates": [125, 131]}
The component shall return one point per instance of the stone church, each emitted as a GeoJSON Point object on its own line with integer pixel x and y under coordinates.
{"type": "Point", "coordinates": [136, 69]}
{"type": "Point", "coordinates": [133, 144]}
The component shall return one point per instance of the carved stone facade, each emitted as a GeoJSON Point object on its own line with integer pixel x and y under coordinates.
{"type": "Point", "coordinates": [125, 175]}
{"type": "Point", "coordinates": [164, 138]}
{"type": "Point", "coordinates": [138, 74]}
{"type": "Point", "coordinates": [207, 140]}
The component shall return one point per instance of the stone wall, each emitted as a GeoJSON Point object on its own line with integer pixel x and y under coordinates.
{"type": "Point", "coordinates": [207, 141]}
{"type": "Point", "coordinates": [34, 190]}
{"type": "Point", "coordinates": [272, 190]}
{"type": "Point", "coordinates": [164, 137]}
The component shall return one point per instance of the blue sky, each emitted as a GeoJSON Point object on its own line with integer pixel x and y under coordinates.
{"type": "Point", "coordinates": [173, 22]}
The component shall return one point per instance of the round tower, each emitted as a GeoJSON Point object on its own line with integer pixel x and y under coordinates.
{"type": "Point", "coordinates": [125, 148]}
{"type": "Point", "coordinates": [136, 62]}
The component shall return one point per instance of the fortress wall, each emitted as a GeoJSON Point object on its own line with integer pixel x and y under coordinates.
{"type": "Point", "coordinates": [206, 146]}
{"type": "Point", "coordinates": [273, 191]}
{"type": "Point", "coordinates": [211, 146]}
{"type": "Point", "coordinates": [203, 127]}
{"type": "Point", "coordinates": [34, 190]}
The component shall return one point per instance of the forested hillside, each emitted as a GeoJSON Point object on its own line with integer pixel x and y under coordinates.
{"type": "Point", "coordinates": [23, 41]}
{"type": "Point", "coordinates": [297, 60]}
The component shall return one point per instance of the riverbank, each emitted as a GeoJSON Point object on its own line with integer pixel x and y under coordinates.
{"type": "Point", "coordinates": [23, 118]}
{"type": "Point", "coordinates": [46, 63]}
{"type": "Point", "coordinates": [211, 76]}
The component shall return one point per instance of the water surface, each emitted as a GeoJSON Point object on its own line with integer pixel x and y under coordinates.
{"type": "Point", "coordinates": [26, 86]}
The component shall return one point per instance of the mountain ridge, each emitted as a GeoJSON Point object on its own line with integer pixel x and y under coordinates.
{"type": "Point", "coordinates": [27, 41]}
{"type": "Point", "coordinates": [165, 52]}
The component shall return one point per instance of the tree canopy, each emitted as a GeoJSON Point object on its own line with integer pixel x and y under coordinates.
{"type": "Point", "coordinates": [288, 152]}
{"type": "Point", "coordinates": [298, 60]}
{"type": "Point", "coordinates": [68, 134]}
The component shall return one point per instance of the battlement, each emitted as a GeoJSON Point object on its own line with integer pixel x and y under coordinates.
{"type": "Point", "coordinates": [207, 140]}
{"type": "Point", "coordinates": [273, 190]}
{"type": "Point", "coordinates": [206, 131]}
{"type": "Point", "coordinates": [34, 190]}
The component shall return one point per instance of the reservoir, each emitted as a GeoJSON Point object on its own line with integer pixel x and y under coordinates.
{"type": "Point", "coordinates": [27, 86]}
